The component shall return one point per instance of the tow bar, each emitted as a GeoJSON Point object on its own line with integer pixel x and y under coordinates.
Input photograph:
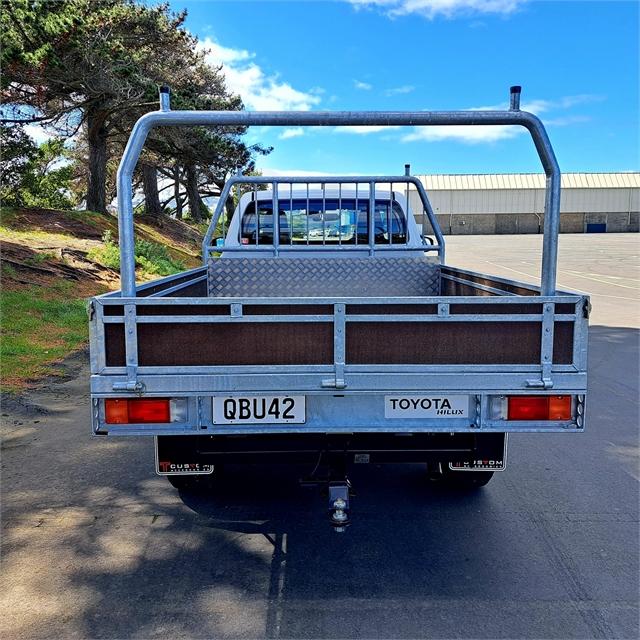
{"type": "Point", "coordinates": [339, 505]}
{"type": "Point", "coordinates": [338, 487]}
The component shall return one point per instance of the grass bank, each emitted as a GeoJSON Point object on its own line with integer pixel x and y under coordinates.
{"type": "Point", "coordinates": [40, 326]}
{"type": "Point", "coordinates": [51, 262]}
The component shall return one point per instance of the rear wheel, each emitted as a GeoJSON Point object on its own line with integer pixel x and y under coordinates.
{"type": "Point", "coordinates": [460, 480]}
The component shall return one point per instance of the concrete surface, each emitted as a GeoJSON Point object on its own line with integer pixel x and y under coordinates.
{"type": "Point", "coordinates": [519, 223]}
{"type": "Point", "coordinates": [94, 545]}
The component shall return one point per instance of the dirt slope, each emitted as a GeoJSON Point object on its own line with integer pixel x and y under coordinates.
{"type": "Point", "coordinates": [43, 245]}
{"type": "Point", "coordinates": [51, 262]}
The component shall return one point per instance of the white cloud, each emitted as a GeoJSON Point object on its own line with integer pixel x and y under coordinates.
{"type": "Point", "coordinates": [364, 129]}
{"type": "Point", "coordinates": [479, 134]}
{"type": "Point", "coordinates": [396, 91]}
{"type": "Point", "coordinates": [566, 102]}
{"type": "Point", "coordinates": [266, 171]}
{"type": "Point", "coordinates": [258, 90]}
{"type": "Point", "coordinates": [40, 134]}
{"type": "Point", "coordinates": [564, 121]}
{"type": "Point", "coordinates": [584, 98]}
{"type": "Point", "coordinates": [363, 86]}
{"type": "Point", "coordinates": [291, 133]}
{"type": "Point", "coordinates": [37, 133]}
{"type": "Point", "coordinates": [469, 134]}
{"type": "Point", "coordinates": [431, 9]}
{"type": "Point", "coordinates": [225, 55]}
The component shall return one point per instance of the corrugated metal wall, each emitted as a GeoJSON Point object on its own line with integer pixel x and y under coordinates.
{"type": "Point", "coordinates": [610, 199]}
{"type": "Point", "coordinates": [532, 201]}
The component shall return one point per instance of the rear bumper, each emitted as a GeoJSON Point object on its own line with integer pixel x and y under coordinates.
{"type": "Point", "coordinates": [182, 454]}
{"type": "Point", "coordinates": [348, 411]}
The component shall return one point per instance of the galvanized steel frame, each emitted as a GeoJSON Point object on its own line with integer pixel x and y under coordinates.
{"type": "Point", "coordinates": [165, 117]}
{"type": "Point", "coordinates": [199, 383]}
{"type": "Point", "coordinates": [517, 376]}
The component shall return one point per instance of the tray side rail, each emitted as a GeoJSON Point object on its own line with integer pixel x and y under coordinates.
{"type": "Point", "coordinates": [178, 335]}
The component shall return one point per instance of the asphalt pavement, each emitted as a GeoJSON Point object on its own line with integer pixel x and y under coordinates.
{"type": "Point", "coordinates": [94, 545]}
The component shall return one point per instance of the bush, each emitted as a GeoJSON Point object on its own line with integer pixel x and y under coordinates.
{"type": "Point", "coordinates": [108, 255]}
{"type": "Point", "coordinates": [152, 257]}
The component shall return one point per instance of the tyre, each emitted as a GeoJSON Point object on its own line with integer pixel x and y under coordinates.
{"type": "Point", "coordinates": [461, 480]}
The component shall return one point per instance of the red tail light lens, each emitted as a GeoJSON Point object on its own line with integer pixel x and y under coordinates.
{"type": "Point", "coordinates": [528, 408]}
{"type": "Point", "coordinates": [539, 408]}
{"type": "Point", "coordinates": [136, 410]}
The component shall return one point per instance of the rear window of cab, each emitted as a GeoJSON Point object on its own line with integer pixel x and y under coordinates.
{"type": "Point", "coordinates": [329, 221]}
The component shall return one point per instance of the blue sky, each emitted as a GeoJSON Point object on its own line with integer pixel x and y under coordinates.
{"type": "Point", "coordinates": [577, 63]}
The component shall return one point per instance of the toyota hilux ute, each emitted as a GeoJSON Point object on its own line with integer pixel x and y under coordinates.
{"type": "Point", "coordinates": [325, 327]}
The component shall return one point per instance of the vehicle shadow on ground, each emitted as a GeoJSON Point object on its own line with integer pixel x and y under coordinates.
{"type": "Point", "coordinates": [260, 534]}
{"type": "Point", "coordinates": [416, 560]}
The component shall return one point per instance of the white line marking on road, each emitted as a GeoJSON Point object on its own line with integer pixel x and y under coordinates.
{"type": "Point", "coordinates": [613, 284]}
{"type": "Point", "coordinates": [567, 286]}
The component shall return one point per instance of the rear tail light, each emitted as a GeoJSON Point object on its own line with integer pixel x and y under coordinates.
{"type": "Point", "coordinates": [539, 408]}
{"type": "Point", "coordinates": [137, 410]}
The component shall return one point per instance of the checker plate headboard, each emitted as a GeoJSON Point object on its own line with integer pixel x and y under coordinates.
{"type": "Point", "coordinates": [316, 277]}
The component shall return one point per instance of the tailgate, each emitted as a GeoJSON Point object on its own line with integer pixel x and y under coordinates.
{"type": "Point", "coordinates": [352, 347]}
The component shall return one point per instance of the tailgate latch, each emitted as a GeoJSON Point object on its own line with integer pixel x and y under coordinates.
{"type": "Point", "coordinates": [134, 386]}
{"type": "Point", "coordinates": [334, 383]}
{"type": "Point", "coordinates": [544, 383]}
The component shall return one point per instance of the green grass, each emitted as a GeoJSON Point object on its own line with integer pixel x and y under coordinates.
{"type": "Point", "coordinates": [39, 258]}
{"type": "Point", "coordinates": [39, 326]}
{"type": "Point", "coordinates": [151, 257]}
{"type": "Point", "coordinates": [17, 235]}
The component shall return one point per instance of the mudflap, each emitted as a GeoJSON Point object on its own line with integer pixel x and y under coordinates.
{"type": "Point", "coordinates": [490, 454]}
{"type": "Point", "coordinates": [177, 456]}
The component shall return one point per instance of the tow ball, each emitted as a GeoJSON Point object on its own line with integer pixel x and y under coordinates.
{"type": "Point", "coordinates": [339, 505]}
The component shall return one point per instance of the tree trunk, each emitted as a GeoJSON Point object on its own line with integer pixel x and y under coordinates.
{"type": "Point", "coordinates": [97, 139]}
{"type": "Point", "coordinates": [229, 205]}
{"type": "Point", "coordinates": [195, 201]}
{"type": "Point", "coordinates": [176, 191]}
{"type": "Point", "coordinates": [152, 205]}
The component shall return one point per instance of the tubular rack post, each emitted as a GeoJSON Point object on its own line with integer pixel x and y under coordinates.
{"type": "Point", "coordinates": [166, 117]}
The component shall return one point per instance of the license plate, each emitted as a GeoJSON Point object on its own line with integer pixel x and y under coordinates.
{"type": "Point", "coordinates": [259, 409]}
{"type": "Point", "coordinates": [423, 406]}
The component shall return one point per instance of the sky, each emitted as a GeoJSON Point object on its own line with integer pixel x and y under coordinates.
{"type": "Point", "coordinates": [578, 64]}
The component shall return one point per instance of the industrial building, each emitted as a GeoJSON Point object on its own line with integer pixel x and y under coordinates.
{"type": "Point", "coordinates": [514, 203]}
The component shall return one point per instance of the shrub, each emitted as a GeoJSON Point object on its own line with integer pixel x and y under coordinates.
{"type": "Point", "coordinates": [152, 257]}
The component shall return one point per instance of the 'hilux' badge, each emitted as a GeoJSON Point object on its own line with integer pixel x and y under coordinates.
{"type": "Point", "coordinates": [419, 406]}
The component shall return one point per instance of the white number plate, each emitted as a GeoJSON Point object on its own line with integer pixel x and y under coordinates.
{"type": "Point", "coordinates": [258, 409]}
{"type": "Point", "coordinates": [421, 406]}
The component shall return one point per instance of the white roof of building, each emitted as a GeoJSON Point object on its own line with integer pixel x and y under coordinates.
{"type": "Point", "coordinates": [463, 182]}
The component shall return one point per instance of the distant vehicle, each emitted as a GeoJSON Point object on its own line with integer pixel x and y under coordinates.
{"type": "Point", "coordinates": [326, 328]}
